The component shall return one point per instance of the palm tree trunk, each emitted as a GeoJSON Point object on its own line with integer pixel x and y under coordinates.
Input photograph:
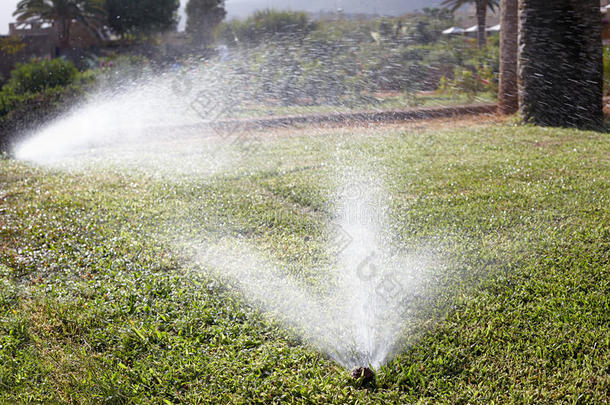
{"type": "Point", "coordinates": [481, 10]}
{"type": "Point", "coordinates": [508, 94]}
{"type": "Point", "coordinates": [560, 63]}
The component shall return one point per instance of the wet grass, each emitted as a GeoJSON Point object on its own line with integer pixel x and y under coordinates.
{"type": "Point", "coordinates": [97, 306]}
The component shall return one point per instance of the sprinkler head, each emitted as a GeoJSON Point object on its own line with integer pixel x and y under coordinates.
{"type": "Point", "coordinates": [364, 374]}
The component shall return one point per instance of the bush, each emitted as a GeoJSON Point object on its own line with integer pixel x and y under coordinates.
{"type": "Point", "coordinates": [21, 113]}
{"type": "Point", "coordinates": [470, 83]}
{"type": "Point", "coordinates": [39, 75]}
{"type": "Point", "coordinates": [465, 81]}
{"type": "Point", "coordinates": [36, 92]}
{"type": "Point", "coordinates": [267, 24]}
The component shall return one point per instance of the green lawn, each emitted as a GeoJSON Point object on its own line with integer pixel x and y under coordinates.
{"type": "Point", "coordinates": [99, 304]}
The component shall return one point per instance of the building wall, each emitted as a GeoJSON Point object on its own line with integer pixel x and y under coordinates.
{"type": "Point", "coordinates": [36, 46]}
{"type": "Point", "coordinates": [43, 42]}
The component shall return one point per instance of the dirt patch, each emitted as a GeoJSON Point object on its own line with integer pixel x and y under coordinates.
{"type": "Point", "coordinates": [413, 119]}
{"type": "Point", "coordinates": [459, 122]}
{"type": "Point", "coordinates": [362, 117]}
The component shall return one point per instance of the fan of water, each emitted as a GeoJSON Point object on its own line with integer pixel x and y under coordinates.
{"type": "Point", "coordinates": [358, 318]}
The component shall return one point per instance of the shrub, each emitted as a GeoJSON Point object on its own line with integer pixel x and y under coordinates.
{"type": "Point", "coordinates": [37, 91]}
{"type": "Point", "coordinates": [38, 75]}
{"type": "Point", "coordinates": [489, 79]}
{"type": "Point", "coordinates": [466, 82]}
{"type": "Point", "coordinates": [11, 45]}
{"type": "Point", "coordinates": [20, 113]}
{"type": "Point", "coordinates": [267, 24]}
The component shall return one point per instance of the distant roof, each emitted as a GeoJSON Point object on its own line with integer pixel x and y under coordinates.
{"type": "Point", "coordinates": [475, 28]}
{"type": "Point", "coordinates": [453, 30]}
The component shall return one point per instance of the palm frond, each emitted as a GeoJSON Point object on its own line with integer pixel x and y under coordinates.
{"type": "Point", "coordinates": [89, 13]}
{"type": "Point", "coordinates": [453, 5]}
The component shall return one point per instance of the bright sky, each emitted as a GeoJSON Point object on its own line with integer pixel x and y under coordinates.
{"type": "Point", "coordinates": [242, 8]}
{"type": "Point", "coordinates": [6, 14]}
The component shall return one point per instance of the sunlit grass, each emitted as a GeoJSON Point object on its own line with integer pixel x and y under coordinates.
{"type": "Point", "coordinates": [96, 305]}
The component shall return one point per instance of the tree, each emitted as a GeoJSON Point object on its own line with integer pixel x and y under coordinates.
{"type": "Point", "coordinates": [269, 25]}
{"type": "Point", "coordinates": [481, 12]}
{"type": "Point", "coordinates": [202, 18]}
{"type": "Point", "coordinates": [142, 16]}
{"type": "Point", "coordinates": [37, 75]}
{"type": "Point", "coordinates": [11, 45]}
{"type": "Point", "coordinates": [560, 63]}
{"type": "Point", "coordinates": [508, 93]}
{"type": "Point", "coordinates": [89, 13]}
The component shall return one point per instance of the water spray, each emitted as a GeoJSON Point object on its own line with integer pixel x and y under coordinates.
{"type": "Point", "coordinates": [359, 319]}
